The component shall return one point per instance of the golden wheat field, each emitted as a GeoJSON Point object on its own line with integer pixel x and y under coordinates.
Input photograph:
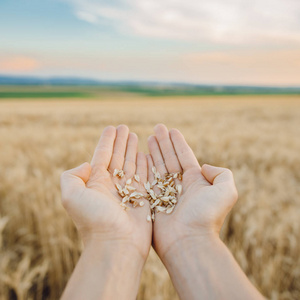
{"type": "Point", "coordinates": [256, 136]}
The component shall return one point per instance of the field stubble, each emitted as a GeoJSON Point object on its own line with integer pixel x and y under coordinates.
{"type": "Point", "coordinates": [257, 137]}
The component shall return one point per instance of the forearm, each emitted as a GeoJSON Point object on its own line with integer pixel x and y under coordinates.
{"type": "Point", "coordinates": [205, 268]}
{"type": "Point", "coordinates": [110, 271]}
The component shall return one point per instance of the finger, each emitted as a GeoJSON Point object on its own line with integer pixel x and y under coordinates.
{"type": "Point", "coordinates": [131, 155]}
{"type": "Point", "coordinates": [184, 153]}
{"type": "Point", "coordinates": [119, 150]}
{"type": "Point", "coordinates": [141, 167]}
{"type": "Point", "coordinates": [150, 175]}
{"type": "Point", "coordinates": [157, 157]}
{"type": "Point", "coordinates": [167, 149]}
{"type": "Point", "coordinates": [104, 149]}
{"type": "Point", "coordinates": [141, 170]}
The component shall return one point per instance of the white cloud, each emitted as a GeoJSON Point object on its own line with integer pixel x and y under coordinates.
{"type": "Point", "coordinates": [231, 21]}
{"type": "Point", "coordinates": [86, 16]}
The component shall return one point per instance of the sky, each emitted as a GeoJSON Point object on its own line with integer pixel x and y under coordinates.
{"type": "Point", "coordinates": [233, 42]}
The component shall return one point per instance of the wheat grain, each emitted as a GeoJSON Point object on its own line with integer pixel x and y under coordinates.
{"type": "Point", "coordinates": [137, 178]}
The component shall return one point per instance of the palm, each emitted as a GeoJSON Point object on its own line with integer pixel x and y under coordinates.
{"type": "Point", "coordinates": [102, 205]}
{"type": "Point", "coordinates": [97, 212]}
{"type": "Point", "coordinates": [199, 194]}
{"type": "Point", "coordinates": [196, 208]}
{"type": "Point", "coordinates": [110, 217]}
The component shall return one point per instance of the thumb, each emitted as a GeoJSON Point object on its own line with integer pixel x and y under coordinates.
{"type": "Point", "coordinates": [74, 179]}
{"type": "Point", "coordinates": [221, 177]}
{"type": "Point", "coordinates": [216, 175]}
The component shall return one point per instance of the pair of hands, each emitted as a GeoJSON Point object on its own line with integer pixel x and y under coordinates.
{"type": "Point", "coordinates": [90, 197]}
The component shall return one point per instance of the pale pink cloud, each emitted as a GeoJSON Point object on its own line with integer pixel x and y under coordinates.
{"type": "Point", "coordinates": [18, 64]}
{"type": "Point", "coordinates": [245, 67]}
{"type": "Point", "coordinates": [266, 67]}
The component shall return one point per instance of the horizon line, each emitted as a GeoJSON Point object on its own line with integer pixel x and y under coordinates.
{"type": "Point", "coordinates": [98, 81]}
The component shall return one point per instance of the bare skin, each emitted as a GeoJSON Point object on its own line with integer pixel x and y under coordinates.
{"type": "Point", "coordinates": [117, 242]}
{"type": "Point", "coordinates": [187, 241]}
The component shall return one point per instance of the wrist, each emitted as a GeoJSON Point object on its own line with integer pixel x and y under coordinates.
{"type": "Point", "coordinates": [130, 245]}
{"type": "Point", "coordinates": [166, 242]}
{"type": "Point", "coordinates": [204, 265]}
{"type": "Point", "coordinates": [187, 244]}
{"type": "Point", "coordinates": [118, 250]}
{"type": "Point", "coordinates": [99, 274]}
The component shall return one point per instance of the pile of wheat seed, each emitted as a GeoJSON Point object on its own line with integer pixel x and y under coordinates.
{"type": "Point", "coordinates": [163, 201]}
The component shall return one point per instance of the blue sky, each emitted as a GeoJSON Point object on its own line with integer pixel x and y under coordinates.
{"type": "Point", "coordinates": [217, 42]}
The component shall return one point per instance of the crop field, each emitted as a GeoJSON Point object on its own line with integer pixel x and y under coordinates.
{"type": "Point", "coordinates": [255, 136]}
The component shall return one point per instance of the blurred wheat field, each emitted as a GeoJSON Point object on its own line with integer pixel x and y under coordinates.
{"type": "Point", "coordinates": [256, 136]}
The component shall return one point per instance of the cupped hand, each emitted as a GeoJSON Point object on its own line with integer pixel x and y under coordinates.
{"type": "Point", "coordinates": [90, 196]}
{"type": "Point", "coordinates": [208, 193]}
